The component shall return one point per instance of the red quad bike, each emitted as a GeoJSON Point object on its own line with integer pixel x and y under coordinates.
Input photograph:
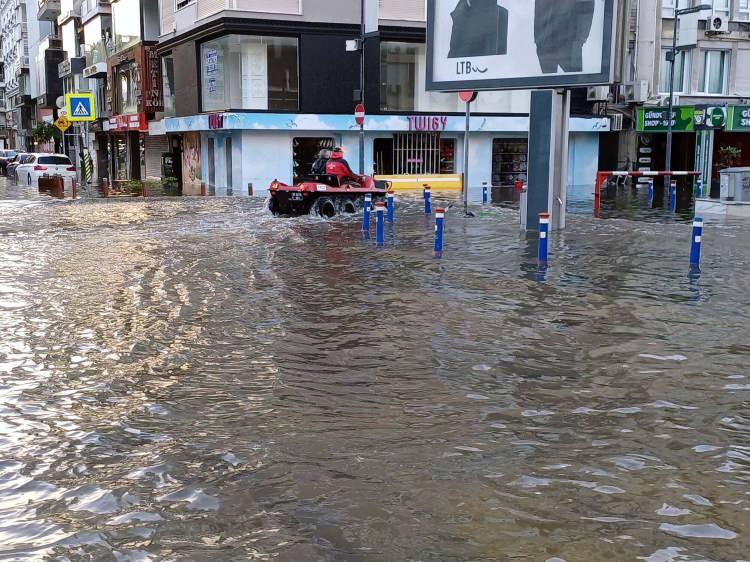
{"type": "Point", "coordinates": [324, 195]}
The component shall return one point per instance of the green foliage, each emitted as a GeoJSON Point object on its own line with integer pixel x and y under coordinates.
{"type": "Point", "coordinates": [45, 132]}
{"type": "Point", "coordinates": [134, 187]}
{"type": "Point", "coordinates": [170, 185]}
{"type": "Point", "coordinates": [729, 156]}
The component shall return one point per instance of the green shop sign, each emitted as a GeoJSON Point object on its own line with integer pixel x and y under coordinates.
{"type": "Point", "coordinates": [738, 118]}
{"type": "Point", "coordinates": [654, 119]}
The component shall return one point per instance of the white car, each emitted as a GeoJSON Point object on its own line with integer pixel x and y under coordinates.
{"type": "Point", "coordinates": [44, 163]}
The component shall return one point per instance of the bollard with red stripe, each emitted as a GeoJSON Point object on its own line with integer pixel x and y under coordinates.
{"type": "Point", "coordinates": [439, 224]}
{"type": "Point", "coordinates": [543, 237]}
{"type": "Point", "coordinates": [390, 198]}
{"type": "Point", "coordinates": [380, 223]}
{"type": "Point", "coordinates": [427, 205]}
{"type": "Point", "coordinates": [366, 215]}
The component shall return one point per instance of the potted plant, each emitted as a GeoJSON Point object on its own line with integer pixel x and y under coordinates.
{"type": "Point", "coordinates": [134, 187]}
{"type": "Point", "coordinates": [170, 185]}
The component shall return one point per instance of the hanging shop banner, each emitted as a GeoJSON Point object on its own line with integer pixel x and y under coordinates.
{"type": "Point", "coordinates": [738, 118]}
{"type": "Point", "coordinates": [654, 119]}
{"type": "Point", "coordinates": [517, 44]}
{"type": "Point", "coordinates": [710, 117]}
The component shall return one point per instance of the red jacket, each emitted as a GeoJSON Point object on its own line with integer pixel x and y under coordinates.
{"type": "Point", "coordinates": [340, 168]}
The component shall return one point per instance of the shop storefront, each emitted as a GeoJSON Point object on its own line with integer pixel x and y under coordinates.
{"type": "Point", "coordinates": [707, 139]}
{"type": "Point", "coordinates": [133, 95]}
{"type": "Point", "coordinates": [241, 148]}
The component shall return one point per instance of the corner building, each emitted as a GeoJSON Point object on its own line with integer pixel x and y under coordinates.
{"type": "Point", "coordinates": [253, 89]}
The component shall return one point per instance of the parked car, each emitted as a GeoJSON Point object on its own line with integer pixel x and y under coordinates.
{"type": "Point", "coordinates": [40, 164]}
{"type": "Point", "coordinates": [5, 157]}
{"type": "Point", "coordinates": [14, 162]}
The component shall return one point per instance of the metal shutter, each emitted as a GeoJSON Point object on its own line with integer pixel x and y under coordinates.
{"type": "Point", "coordinates": [409, 10]}
{"type": "Point", "coordinates": [155, 146]}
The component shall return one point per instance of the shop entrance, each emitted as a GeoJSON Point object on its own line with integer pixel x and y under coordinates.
{"type": "Point", "coordinates": [305, 151]}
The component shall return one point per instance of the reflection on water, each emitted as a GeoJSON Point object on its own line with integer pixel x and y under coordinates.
{"type": "Point", "coordinates": [195, 380]}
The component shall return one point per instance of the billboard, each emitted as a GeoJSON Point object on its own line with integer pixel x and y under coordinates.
{"type": "Point", "coordinates": [518, 44]}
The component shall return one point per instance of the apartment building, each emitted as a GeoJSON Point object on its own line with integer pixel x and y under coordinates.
{"type": "Point", "coordinates": [712, 72]}
{"type": "Point", "coordinates": [253, 89]}
{"type": "Point", "coordinates": [14, 55]}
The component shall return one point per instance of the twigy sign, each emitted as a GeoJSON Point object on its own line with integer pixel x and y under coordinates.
{"type": "Point", "coordinates": [426, 123]}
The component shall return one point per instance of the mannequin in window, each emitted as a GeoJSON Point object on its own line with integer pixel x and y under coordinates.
{"type": "Point", "coordinates": [480, 29]}
{"type": "Point", "coordinates": [561, 27]}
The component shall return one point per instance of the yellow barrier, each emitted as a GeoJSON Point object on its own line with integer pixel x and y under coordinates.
{"type": "Point", "coordinates": [438, 182]}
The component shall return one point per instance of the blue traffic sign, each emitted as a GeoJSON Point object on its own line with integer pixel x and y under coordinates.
{"type": "Point", "coordinates": [80, 106]}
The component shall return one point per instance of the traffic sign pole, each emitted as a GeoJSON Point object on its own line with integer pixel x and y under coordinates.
{"type": "Point", "coordinates": [359, 117]}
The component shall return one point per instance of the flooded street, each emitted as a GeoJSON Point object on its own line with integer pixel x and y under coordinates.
{"type": "Point", "coordinates": [195, 380]}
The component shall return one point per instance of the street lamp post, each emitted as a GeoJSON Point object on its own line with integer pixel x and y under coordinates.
{"type": "Point", "coordinates": [673, 57]}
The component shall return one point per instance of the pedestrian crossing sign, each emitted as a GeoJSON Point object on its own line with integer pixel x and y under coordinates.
{"type": "Point", "coordinates": [80, 106]}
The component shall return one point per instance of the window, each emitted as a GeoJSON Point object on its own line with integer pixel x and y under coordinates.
{"type": "Point", "coordinates": [721, 7]}
{"type": "Point", "coordinates": [94, 32]}
{"type": "Point", "coordinates": [167, 80]}
{"type": "Point", "coordinates": [55, 160]}
{"type": "Point", "coordinates": [416, 153]}
{"type": "Point", "coordinates": [509, 161]}
{"type": "Point", "coordinates": [743, 10]}
{"type": "Point", "coordinates": [126, 80]}
{"type": "Point", "coordinates": [250, 72]}
{"type": "Point", "coordinates": [714, 72]}
{"type": "Point", "coordinates": [180, 4]}
{"type": "Point", "coordinates": [126, 21]}
{"type": "Point", "coordinates": [681, 72]}
{"type": "Point", "coordinates": [398, 76]}
{"type": "Point", "coordinates": [667, 7]}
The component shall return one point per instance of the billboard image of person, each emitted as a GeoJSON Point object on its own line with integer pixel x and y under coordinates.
{"type": "Point", "coordinates": [518, 44]}
{"type": "Point", "coordinates": [480, 28]}
{"type": "Point", "coordinates": [561, 28]}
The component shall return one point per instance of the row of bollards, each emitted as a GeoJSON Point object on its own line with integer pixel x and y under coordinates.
{"type": "Point", "coordinates": [385, 212]}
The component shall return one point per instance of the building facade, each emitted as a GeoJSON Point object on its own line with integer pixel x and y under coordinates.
{"type": "Point", "coordinates": [712, 74]}
{"type": "Point", "coordinates": [253, 89]}
{"type": "Point", "coordinates": [14, 54]}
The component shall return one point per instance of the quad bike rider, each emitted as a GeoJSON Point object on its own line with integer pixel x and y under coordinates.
{"type": "Point", "coordinates": [331, 189]}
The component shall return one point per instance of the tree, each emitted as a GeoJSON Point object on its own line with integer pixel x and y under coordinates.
{"type": "Point", "coordinates": [45, 132]}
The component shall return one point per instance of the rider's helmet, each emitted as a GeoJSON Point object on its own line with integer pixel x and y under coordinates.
{"type": "Point", "coordinates": [337, 153]}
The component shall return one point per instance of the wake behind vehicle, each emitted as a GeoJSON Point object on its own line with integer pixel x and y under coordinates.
{"type": "Point", "coordinates": [332, 189]}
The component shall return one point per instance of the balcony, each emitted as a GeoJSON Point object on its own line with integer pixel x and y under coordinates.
{"type": "Point", "coordinates": [48, 10]}
{"type": "Point", "coordinates": [69, 15]}
{"type": "Point", "coordinates": [92, 8]}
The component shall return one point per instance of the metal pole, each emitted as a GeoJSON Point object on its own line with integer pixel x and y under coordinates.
{"type": "Point", "coordinates": [466, 158]}
{"type": "Point", "coordinates": [668, 163]}
{"type": "Point", "coordinates": [362, 88]}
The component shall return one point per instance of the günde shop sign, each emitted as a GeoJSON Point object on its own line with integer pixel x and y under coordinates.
{"type": "Point", "coordinates": [688, 119]}
{"type": "Point", "coordinates": [518, 44]}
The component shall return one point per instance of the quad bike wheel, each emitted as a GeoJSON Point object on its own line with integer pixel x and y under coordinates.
{"type": "Point", "coordinates": [325, 207]}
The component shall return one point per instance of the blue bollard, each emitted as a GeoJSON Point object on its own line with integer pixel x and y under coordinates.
{"type": "Point", "coordinates": [379, 223]}
{"type": "Point", "coordinates": [650, 191]}
{"type": "Point", "coordinates": [439, 220]}
{"type": "Point", "coordinates": [427, 206]}
{"type": "Point", "coordinates": [366, 215]}
{"type": "Point", "coordinates": [484, 193]}
{"type": "Point", "coordinates": [695, 244]}
{"type": "Point", "coordinates": [699, 188]}
{"type": "Point", "coordinates": [543, 237]}
{"type": "Point", "coordinates": [391, 201]}
{"type": "Point", "coordinates": [673, 195]}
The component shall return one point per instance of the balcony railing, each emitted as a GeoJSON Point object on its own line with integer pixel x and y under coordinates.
{"type": "Point", "coordinates": [48, 10]}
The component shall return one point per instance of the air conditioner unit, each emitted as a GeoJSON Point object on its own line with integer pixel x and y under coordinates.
{"type": "Point", "coordinates": [597, 93]}
{"type": "Point", "coordinates": [615, 122]}
{"type": "Point", "coordinates": [636, 92]}
{"type": "Point", "coordinates": [719, 23]}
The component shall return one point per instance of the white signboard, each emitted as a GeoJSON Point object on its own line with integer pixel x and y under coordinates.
{"type": "Point", "coordinates": [518, 44]}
